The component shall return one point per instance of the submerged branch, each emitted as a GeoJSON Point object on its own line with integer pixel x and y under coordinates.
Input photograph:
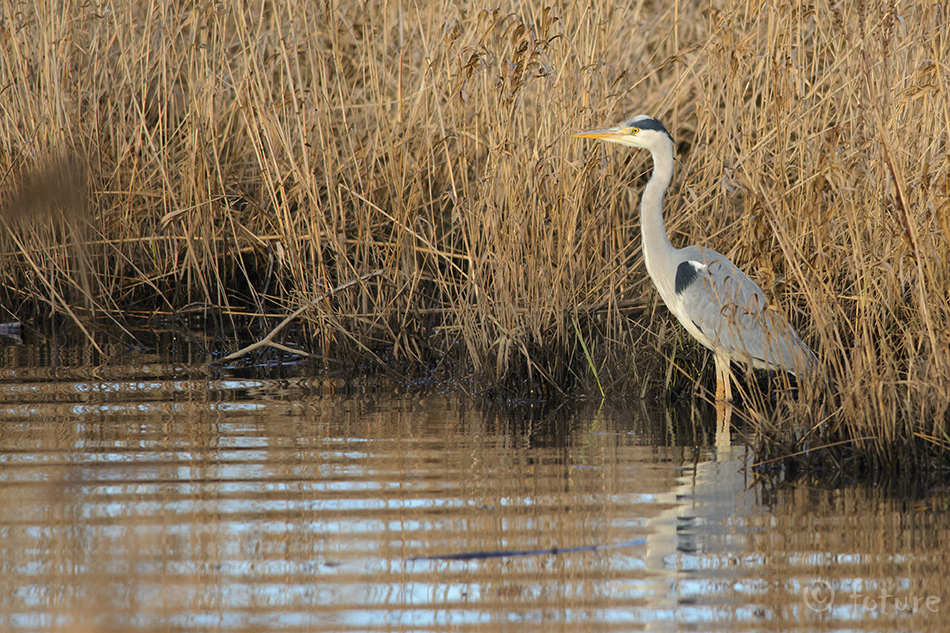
{"type": "Point", "coordinates": [268, 341]}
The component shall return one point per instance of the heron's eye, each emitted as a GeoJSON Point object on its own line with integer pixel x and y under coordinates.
{"type": "Point", "coordinates": [634, 130]}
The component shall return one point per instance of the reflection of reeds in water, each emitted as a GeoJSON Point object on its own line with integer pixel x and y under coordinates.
{"type": "Point", "coordinates": [252, 158]}
{"type": "Point", "coordinates": [316, 511]}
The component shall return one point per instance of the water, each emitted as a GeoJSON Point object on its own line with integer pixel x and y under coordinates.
{"type": "Point", "coordinates": [150, 496]}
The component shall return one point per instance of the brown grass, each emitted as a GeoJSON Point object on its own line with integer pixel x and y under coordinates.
{"type": "Point", "coordinates": [250, 158]}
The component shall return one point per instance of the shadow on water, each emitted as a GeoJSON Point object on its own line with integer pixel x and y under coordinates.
{"type": "Point", "coordinates": [161, 495]}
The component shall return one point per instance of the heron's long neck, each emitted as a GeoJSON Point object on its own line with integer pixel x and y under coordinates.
{"type": "Point", "coordinates": [657, 249]}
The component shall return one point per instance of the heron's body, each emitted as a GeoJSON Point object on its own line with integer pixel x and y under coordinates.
{"type": "Point", "coordinates": [718, 304]}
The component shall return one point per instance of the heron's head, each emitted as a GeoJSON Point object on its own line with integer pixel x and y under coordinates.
{"type": "Point", "coordinates": [640, 131]}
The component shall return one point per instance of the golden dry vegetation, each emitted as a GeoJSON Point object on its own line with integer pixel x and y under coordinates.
{"type": "Point", "coordinates": [244, 159]}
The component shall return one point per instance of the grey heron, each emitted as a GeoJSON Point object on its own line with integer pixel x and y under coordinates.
{"type": "Point", "coordinates": [717, 303]}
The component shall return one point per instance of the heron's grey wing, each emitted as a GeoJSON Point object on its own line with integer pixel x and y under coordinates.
{"type": "Point", "coordinates": [731, 311]}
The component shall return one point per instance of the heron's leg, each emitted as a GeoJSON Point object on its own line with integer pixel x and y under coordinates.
{"type": "Point", "coordinates": [723, 380]}
{"type": "Point", "coordinates": [723, 424]}
{"type": "Point", "coordinates": [723, 401]}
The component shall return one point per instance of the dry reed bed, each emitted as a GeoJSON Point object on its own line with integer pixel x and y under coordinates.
{"type": "Point", "coordinates": [248, 157]}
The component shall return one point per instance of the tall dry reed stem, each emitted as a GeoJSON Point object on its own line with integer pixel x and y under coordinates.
{"type": "Point", "coordinates": [252, 156]}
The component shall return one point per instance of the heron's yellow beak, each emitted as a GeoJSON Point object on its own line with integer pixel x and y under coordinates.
{"type": "Point", "coordinates": [613, 134]}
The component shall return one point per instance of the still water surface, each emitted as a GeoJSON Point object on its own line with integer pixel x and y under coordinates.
{"type": "Point", "coordinates": [156, 497]}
